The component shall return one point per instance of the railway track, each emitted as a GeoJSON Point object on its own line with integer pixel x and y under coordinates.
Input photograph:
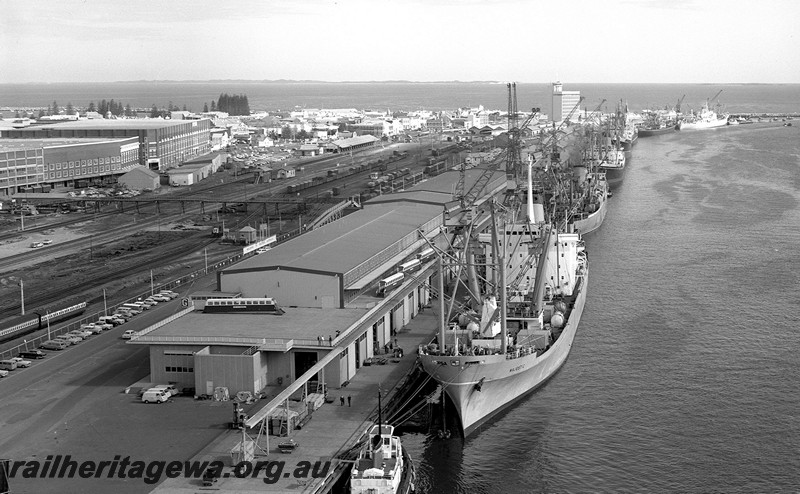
{"type": "Point", "coordinates": [222, 194]}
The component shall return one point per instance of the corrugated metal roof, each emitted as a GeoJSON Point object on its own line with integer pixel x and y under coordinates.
{"type": "Point", "coordinates": [345, 243]}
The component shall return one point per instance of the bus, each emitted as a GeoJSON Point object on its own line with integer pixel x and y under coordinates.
{"type": "Point", "coordinates": [389, 282]}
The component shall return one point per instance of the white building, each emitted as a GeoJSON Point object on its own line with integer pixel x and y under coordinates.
{"type": "Point", "coordinates": [564, 102]}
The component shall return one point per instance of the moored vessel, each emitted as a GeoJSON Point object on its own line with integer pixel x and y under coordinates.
{"type": "Point", "coordinates": [519, 275]}
{"type": "Point", "coordinates": [382, 466]}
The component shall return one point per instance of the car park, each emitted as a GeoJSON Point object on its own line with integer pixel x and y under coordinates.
{"type": "Point", "coordinates": [21, 362]}
{"type": "Point", "coordinates": [128, 334]}
{"type": "Point", "coordinates": [54, 345]}
{"type": "Point", "coordinates": [34, 354]}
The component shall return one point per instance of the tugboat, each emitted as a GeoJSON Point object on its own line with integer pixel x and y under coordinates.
{"type": "Point", "coordinates": [382, 466]}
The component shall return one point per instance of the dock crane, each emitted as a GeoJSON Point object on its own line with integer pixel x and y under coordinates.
{"type": "Point", "coordinates": [714, 98]}
{"type": "Point", "coordinates": [678, 106]}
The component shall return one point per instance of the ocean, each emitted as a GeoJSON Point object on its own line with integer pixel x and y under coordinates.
{"type": "Point", "coordinates": [684, 375]}
{"type": "Point", "coordinates": [397, 96]}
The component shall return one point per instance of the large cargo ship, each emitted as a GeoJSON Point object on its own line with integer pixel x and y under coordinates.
{"type": "Point", "coordinates": [706, 118]}
{"type": "Point", "coordinates": [488, 354]}
{"type": "Point", "coordinates": [485, 374]}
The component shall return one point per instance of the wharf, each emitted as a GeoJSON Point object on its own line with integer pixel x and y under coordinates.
{"type": "Point", "coordinates": [333, 428]}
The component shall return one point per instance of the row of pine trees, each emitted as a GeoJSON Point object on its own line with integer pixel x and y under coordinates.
{"type": "Point", "coordinates": [236, 104]}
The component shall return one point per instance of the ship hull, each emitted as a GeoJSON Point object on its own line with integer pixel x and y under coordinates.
{"type": "Point", "coordinates": [482, 386]}
{"type": "Point", "coordinates": [593, 221]}
{"type": "Point", "coordinates": [703, 124]}
{"type": "Point", "coordinates": [614, 176]}
{"type": "Point", "coordinates": [645, 132]}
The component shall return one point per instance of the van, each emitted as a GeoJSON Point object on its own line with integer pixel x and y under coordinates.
{"type": "Point", "coordinates": [154, 396]}
{"type": "Point", "coordinates": [109, 320]}
{"type": "Point", "coordinates": [168, 389]}
{"type": "Point", "coordinates": [54, 345]}
{"type": "Point", "coordinates": [8, 365]}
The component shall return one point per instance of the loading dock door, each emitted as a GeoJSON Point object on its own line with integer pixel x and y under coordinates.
{"type": "Point", "coordinates": [304, 361]}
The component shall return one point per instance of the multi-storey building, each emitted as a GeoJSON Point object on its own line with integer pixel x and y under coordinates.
{"type": "Point", "coordinates": [163, 144]}
{"type": "Point", "coordinates": [564, 102]}
{"type": "Point", "coordinates": [44, 164]}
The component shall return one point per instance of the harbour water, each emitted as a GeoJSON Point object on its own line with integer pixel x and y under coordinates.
{"type": "Point", "coordinates": [742, 98]}
{"type": "Point", "coordinates": [683, 376]}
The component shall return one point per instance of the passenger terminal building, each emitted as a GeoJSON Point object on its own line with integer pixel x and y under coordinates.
{"type": "Point", "coordinates": [311, 305]}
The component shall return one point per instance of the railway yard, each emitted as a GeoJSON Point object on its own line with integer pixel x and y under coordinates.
{"type": "Point", "coordinates": [118, 248]}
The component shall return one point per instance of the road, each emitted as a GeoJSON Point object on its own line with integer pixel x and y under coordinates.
{"type": "Point", "coordinates": [73, 403]}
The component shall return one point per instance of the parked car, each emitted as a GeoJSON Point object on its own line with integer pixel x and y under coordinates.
{"type": "Point", "coordinates": [159, 298]}
{"type": "Point", "coordinates": [47, 241]}
{"type": "Point", "coordinates": [104, 325]}
{"type": "Point", "coordinates": [123, 316]}
{"type": "Point", "coordinates": [36, 245]}
{"type": "Point", "coordinates": [169, 293]}
{"type": "Point", "coordinates": [168, 389]}
{"type": "Point", "coordinates": [263, 249]}
{"type": "Point", "coordinates": [21, 362]}
{"type": "Point", "coordinates": [95, 329]}
{"type": "Point", "coordinates": [3, 373]}
{"type": "Point", "coordinates": [68, 339]}
{"type": "Point", "coordinates": [128, 334]}
{"type": "Point", "coordinates": [36, 354]}
{"type": "Point", "coordinates": [148, 302]}
{"type": "Point", "coordinates": [89, 327]}
{"type": "Point", "coordinates": [54, 345]}
{"type": "Point", "coordinates": [80, 333]}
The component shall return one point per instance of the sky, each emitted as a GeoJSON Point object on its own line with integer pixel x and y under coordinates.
{"type": "Point", "coordinates": [590, 41]}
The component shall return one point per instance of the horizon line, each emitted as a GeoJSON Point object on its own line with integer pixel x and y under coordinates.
{"type": "Point", "coordinates": [387, 81]}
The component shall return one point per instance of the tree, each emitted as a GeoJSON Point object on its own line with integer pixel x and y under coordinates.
{"type": "Point", "coordinates": [91, 106]}
{"type": "Point", "coordinates": [154, 113]}
{"type": "Point", "coordinates": [128, 110]}
{"type": "Point", "coordinates": [70, 109]}
{"type": "Point", "coordinates": [213, 106]}
{"type": "Point", "coordinates": [205, 107]}
{"type": "Point", "coordinates": [54, 110]}
{"type": "Point", "coordinates": [41, 112]}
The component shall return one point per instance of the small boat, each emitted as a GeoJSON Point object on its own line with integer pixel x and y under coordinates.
{"type": "Point", "coordinates": [382, 466]}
